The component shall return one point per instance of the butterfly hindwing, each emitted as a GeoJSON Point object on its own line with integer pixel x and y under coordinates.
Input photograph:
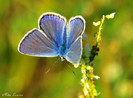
{"type": "Point", "coordinates": [53, 25]}
{"type": "Point", "coordinates": [75, 29]}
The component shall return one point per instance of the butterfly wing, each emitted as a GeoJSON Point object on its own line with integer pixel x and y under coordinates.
{"type": "Point", "coordinates": [73, 54]}
{"type": "Point", "coordinates": [76, 28]}
{"type": "Point", "coordinates": [53, 25]}
{"type": "Point", "coordinates": [35, 43]}
{"type": "Point", "coordinates": [46, 41]}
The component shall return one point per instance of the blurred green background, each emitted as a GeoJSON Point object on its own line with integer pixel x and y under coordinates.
{"type": "Point", "coordinates": [27, 76]}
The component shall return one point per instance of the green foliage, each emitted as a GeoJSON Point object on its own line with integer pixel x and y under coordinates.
{"type": "Point", "coordinates": [88, 57]}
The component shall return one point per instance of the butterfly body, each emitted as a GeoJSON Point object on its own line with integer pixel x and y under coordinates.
{"type": "Point", "coordinates": [62, 50]}
{"type": "Point", "coordinates": [55, 37]}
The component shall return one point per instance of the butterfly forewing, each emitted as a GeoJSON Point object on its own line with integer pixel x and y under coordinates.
{"type": "Point", "coordinates": [73, 54]}
{"type": "Point", "coordinates": [35, 43]}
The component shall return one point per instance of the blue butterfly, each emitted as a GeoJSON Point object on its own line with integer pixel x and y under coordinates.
{"type": "Point", "coordinates": [55, 37]}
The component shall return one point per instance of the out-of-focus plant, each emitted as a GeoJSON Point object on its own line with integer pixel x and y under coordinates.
{"type": "Point", "coordinates": [88, 77]}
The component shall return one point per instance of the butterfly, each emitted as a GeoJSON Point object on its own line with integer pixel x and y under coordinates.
{"type": "Point", "coordinates": [55, 37]}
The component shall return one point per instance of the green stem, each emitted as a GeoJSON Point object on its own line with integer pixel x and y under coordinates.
{"type": "Point", "coordinates": [87, 70]}
{"type": "Point", "coordinates": [100, 29]}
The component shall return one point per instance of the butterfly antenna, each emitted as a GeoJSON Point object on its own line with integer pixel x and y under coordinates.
{"type": "Point", "coordinates": [52, 65]}
{"type": "Point", "coordinates": [71, 69]}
